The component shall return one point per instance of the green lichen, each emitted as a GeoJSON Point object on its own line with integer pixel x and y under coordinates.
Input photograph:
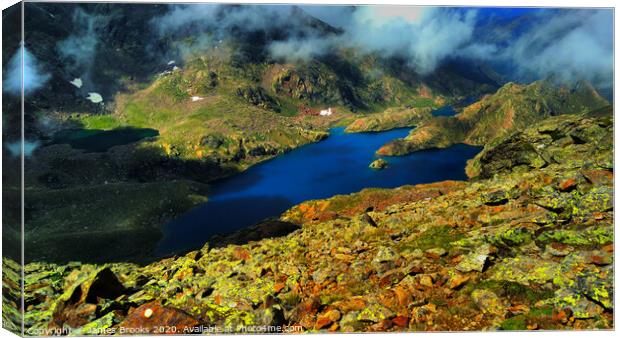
{"type": "Point", "coordinates": [374, 313]}
{"type": "Point", "coordinates": [525, 270]}
{"type": "Point", "coordinates": [512, 236]}
{"type": "Point", "coordinates": [599, 235]}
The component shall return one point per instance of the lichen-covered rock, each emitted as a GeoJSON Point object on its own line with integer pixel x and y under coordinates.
{"type": "Point", "coordinates": [374, 313]}
{"type": "Point", "coordinates": [457, 280]}
{"type": "Point", "coordinates": [385, 254]}
{"type": "Point", "coordinates": [559, 249]}
{"type": "Point", "coordinates": [158, 319]}
{"type": "Point", "coordinates": [475, 261]}
{"type": "Point", "coordinates": [437, 251]}
{"type": "Point", "coordinates": [549, 141]}
{"type": "Point", "coordinates": [327, 318]}
{"type": "Point", "coordinates": [488, 302]}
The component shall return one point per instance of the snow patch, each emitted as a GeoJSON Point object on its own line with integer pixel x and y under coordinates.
{"type": "Point", "coordinates": [94, 97]}
{"type": "Point", "coordinates": [77, 82]}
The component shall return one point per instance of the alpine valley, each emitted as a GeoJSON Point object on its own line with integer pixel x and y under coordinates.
{"type": "Point", "coordinates": [242, 167]}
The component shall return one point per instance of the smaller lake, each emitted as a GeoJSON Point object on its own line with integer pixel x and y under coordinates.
{"type": "Point", "coordinates": [449, 110]}
{"type": "Point", "coordinates": [337, 165]}
{"type": "Point", "coordinates": [97, 141]}
{"type": "Point", "coordinates": [444, 111]}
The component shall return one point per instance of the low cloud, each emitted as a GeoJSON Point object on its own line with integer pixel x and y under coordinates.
{"type": "Point", "coordinates": [223, 20]}
{"type": "Point", "coordinates": [567, 45]}
{"type": "Point", "coordinates": [300, 49]}
{"type": "Point", "coordinates": [33, 75]}
{"type": "Point", "coordinates": [186, 17]}
{"type": "Point", "coordinates": [79, 49]}
{"type": "Point", "coordinates": [289, 36]}
{"type": "Point", "coordinates": [425, 36]}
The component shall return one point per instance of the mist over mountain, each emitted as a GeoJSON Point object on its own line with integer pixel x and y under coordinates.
{"type": "Point", "coordinates": [565, 44]}
{"type": "Point", "coordinates": [523, 44]}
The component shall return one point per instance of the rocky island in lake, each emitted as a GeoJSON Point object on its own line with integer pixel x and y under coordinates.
{"type": "Point", "coordinates": [378, 164]}
{"type": "Point", "coordinates": [206, 168]}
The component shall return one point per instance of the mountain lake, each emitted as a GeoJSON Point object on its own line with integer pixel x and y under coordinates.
{"type": "Point", "coordinates": [336, 165]}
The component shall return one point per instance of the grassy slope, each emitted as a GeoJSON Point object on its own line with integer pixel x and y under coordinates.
{"type": "Point", "coordinates": [252, 100]}
{"type": "Point", "coordinates": [235, 125]}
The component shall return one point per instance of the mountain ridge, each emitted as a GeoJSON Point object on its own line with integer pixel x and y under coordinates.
{"type": "Point", "coordinates": [512, 107]}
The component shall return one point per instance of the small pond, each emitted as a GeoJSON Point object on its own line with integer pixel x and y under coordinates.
{"type": "Point", "coordinates": [96, 141]}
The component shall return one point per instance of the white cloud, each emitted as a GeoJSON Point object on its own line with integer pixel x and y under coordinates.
{"type": "Point", "coordinates": [33, 76]}
{"type": "Point", "coordinates": [426, 36]}
{"type": "Point", "coordinates": [569, 45]}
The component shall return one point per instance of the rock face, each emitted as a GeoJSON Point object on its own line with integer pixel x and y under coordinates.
{"type": "Point", "coordinates": [378, 164]}
{"type": "Point", "coordinates": [512, 107]}
{"type": "Point", "coordinates": [444, 256]}
{"type": "Point", "coordinates": [559, 139]}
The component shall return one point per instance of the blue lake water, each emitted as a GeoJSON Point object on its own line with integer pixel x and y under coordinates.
{"type": "Point", "coordinates": [102, 140]}
{"type": "Point", "coordinates": [444, 111]}
{"type": "Point", "coordinates": [337, 165]}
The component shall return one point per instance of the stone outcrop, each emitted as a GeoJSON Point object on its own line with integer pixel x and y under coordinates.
{"type": "Point", "coordinates": [571, 139]}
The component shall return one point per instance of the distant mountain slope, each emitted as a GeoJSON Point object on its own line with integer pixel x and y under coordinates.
{"type": "Point", "coordinates": [198, 85]}
{"type": "Point", "coordinates": [117, 47]}
{"type": "Point", "coordinates": [512, 107]}
{"type": "Point", "coordinates": [390, 119]}
{"type": "Point", "coordinates": [211, 106]}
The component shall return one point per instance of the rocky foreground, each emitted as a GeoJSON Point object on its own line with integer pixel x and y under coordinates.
{"type": "Point", "coordinates": [527, 243]}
